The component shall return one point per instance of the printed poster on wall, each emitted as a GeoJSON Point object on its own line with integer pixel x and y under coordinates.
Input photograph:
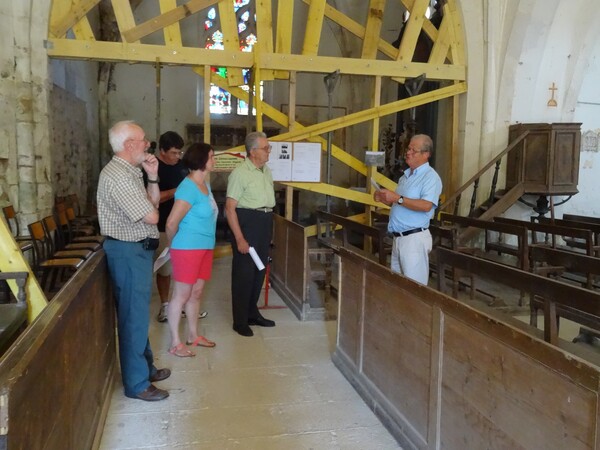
{"type": "Point", "coordinates": [297, 161]}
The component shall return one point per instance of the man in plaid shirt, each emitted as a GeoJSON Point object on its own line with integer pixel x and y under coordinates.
{"type": "Point", "coordinates": [128, 213]}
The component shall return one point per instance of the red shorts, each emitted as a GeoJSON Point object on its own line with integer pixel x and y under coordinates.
{"type": "Point", "coordinates": [191, 265]}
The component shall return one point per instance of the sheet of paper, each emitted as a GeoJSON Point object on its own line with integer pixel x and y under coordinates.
{"type": "Point", "coordinates": [307, 162]}
{"type": "Point", "coordinates": [375, 185]}
{"type": "Point", "coordinates": [256, 259]}
{"type": "Point", "coordinates": [162, 259]}
{"type": "Point", "coordinates": [280, 161]}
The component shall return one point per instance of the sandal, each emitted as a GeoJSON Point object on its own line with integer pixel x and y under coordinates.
{"type": "Point", "coordinates": [201, 341]}
{"type": "Point", "coordinates": [182, 351]}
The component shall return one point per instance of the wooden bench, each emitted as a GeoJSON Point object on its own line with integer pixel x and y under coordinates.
{"type": "Point", "coordinates": [594, 228]}
{"type": "Point", "coordinates": [585, 237]}
{"type": "Point", "coordinates": [349, 226]}
{"type": "Point", "coordinates": [520, 232]}
{"type": "Point", "coordinates": [556, 299]}
{"type": "Point", "coordinates": [13, 316]}
{"type": "Point", "coordinates": [549, 261]}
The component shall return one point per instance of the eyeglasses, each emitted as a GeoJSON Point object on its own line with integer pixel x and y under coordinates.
{"type": "Point", "coordinates": [266, 148]}
{"type": "Point", "coordinates": [139, 140]}
{"type": "Point", "coordinates": [412, 150]}
{"type": "Point", "coordinates": [176, 152]}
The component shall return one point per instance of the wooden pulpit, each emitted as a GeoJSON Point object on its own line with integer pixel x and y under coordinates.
{"type": "Point", "coordinates": [547, 161]}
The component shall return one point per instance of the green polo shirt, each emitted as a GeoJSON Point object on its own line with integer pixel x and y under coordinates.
{"type": "Point", "coordinates": [251, 187]}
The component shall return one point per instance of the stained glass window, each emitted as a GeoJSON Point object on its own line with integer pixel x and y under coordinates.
{"type": "Point", "coordinates": [221, 101]}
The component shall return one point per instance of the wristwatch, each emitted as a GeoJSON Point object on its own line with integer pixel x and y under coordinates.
{"type": "Point", "coordinates": [154, 181]}
{"type": "Point", "coordinates": [401, 200]}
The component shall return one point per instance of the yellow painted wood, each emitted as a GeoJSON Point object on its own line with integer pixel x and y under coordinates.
{"type": "Point", "coordinates": [280, 118]}
{"type": "Point", "coordinates": [335, 191]}
{"type": "Point", "coordinates": [285, 21]}
{"type": "Point", "coordinates": [231, 40]}
{"type": "Point", "coordinates": [314, 25]}
{"type": "Point", "coordinates": [373, 29]}
{"type": "Point", "coordinates": [412, 29]}
{"type": "Point", "coordinates": [171, 32]}
{"type": "Point", "coordinates": [65, 16]}
{"type": "Point", "coordinates": [124, 16]}
{"type": "Point", "coordinates": [258, 103]}
{"type": "Point", "coordinates": [428, 27]}
{"type": "Point", "coordinates": [311, 230]}
{"type": "Point", "coordinates": [264, 33]}
{"type": "Point", "coordinates": [116, 51]}
{"type": "Point", "coordinates": [456, 29]}
{"type": "Point", "coordinates": [12, 260]}
{"type": "Point", "coordinates": [439, 52]}
{"type": "Point", "coordinates": [83, 30]}
{"type": "Point", "coordinates": [376, 103]}
{"type": "Point", "coordinates": [369, 114]}
{"type": "Point", "coordinates": [357, 29]}
{"type": "Point", "coordinates": [357, 66]}
{"type": "Point", "coordinates": [206, 104]}
{"type": "Point", "coordinates": [166, 18]}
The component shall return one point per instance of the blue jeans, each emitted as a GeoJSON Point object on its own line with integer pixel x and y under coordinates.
{"type": "Point", "coordinates": [130, 268]}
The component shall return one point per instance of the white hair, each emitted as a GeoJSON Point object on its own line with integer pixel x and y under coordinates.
{"type": "Point", "coordinates": [119, 133]}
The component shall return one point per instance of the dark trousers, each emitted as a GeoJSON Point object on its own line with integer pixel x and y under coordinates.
{"type": "Point", "coordinates": [246, 279]}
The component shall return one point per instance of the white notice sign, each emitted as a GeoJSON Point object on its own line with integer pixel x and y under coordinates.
{"type": "Point", "coordinates": [307, 162]}
{"type": "Point", "coordinates": [280, 161]}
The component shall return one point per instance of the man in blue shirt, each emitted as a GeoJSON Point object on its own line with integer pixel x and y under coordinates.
{"type": "Point", "coordinates": [413, 205]}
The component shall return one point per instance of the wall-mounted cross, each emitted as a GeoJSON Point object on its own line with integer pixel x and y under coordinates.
{"type": "Point", "coordinates": [552, 89]}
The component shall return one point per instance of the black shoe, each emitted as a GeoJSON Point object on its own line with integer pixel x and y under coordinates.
{"type": "Point", "coordinates": [161, 374]}
{"type": "Point", "coordinates": [151, 394]}
{"type": "Point", "coordinates": [244, 330]}
{"type": "Point", "coordinates": [261, 322]}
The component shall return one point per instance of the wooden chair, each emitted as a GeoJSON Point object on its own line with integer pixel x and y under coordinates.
{"type": "Point", "coordinates": [56, 239]}
{"type": "Point", "coordinates": [24, 242]}
{"type": "Point", "coordinates": [13, 316]}
{"type": "Point", "coordinates": [76, 233]}
{"type": "Point", "coordinates": [45, 263]}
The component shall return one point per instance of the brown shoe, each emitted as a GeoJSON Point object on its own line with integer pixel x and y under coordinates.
{"type": "Point", "coordinates": [151, 394]}
{"type": "Point", "coordinates": [161, 374]}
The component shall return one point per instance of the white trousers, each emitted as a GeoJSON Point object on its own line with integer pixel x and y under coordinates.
{"type": "Point", "coordinates": [410, 256]}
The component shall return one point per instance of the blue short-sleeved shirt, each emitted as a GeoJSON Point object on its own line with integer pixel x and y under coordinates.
{"type": "Point", "coordinates": [197, 228]}
{"type": "Point", "coordinates": [423, 183]}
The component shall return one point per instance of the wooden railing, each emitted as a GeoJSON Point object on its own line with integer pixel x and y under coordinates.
{"type": "Point", "coordinates": [453, 202]}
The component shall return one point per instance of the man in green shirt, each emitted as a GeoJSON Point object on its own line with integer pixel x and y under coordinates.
{"type": "Point", "coordinates": [249, 209]}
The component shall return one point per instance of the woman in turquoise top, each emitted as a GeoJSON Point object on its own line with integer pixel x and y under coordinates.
{"type": "Point", "coordinates": [191, 230]}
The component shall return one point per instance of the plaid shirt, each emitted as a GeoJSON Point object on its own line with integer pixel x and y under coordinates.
{"type": "Point", "coordinates": [123, 202]}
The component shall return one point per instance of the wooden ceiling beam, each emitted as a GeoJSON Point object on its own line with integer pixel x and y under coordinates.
{"type": "Point", "coordinates": [314, 26]}
{"type": "Point", "coordinates": [135, 33]}
{"type": "Point", "coordinates": [171, 32]}
{"type": "Point", "coordinates": [373, 29]}
{"type": "Point", "coordinates": [124, 16]}
{"type": "Point", "coordinates": [60, 24]}
{"type": "Point", "coordinates": [146, 53]}
{"type": "Point", "coordinates": [412, 30]}
{"type": "Point", "coordinates": [231, 39]}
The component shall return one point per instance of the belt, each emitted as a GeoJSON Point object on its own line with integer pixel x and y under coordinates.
{"type": "Point", "coordinates": [264, 209]}
{"type": "Point", "coordinates": [407, 232]}
{"type": "Point", "coordinates": [110, 238]}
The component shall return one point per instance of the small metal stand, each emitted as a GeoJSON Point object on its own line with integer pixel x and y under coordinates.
{"type": "Point", "coordinates": [267, 287]}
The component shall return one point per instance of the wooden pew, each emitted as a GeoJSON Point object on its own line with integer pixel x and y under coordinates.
{"type": "Point", "coordinates": [586, 237]}
{"type": "Point", "coordinates": [556, 299]}
{"type": "Point", "coordinates": [349, 226]}
{"type": "Point", "coordinates": [520, 232]}
{"type": "Point", "coordinates": [56, 379]}
{"type": "Point", "coordinates": [594, 228]}
{"type": "Point", "coordinates": [559, 261]}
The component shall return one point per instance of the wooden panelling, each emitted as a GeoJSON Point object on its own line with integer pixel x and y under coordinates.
{"type": "Point", "coordinates": [509, 394]}
{"type": "Point", "coordinates": [349, 322]}
{"type": "Point", "coordinates": [57, 376]}
{"type": "Point", "coordinates": [397, 346]}
{"type": "Point", "coordinates": [290, 270]}
{"type": "Point", "coordinates": [441, 374]}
